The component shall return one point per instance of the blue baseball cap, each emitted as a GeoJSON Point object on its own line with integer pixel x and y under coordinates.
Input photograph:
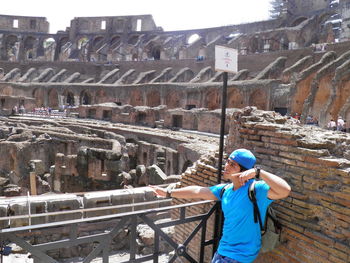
{"type": "Point", "coordinates": [243, 157]}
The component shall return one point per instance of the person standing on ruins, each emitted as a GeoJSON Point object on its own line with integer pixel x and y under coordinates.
{"type": "Point", "coordinates": [241, 238]}
{"type": "Point", "coordinates": [340, 124]}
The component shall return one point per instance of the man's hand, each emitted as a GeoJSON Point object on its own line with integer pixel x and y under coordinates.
{"type": "Point", "coordinates": [158, 191]}
{"type": "Point", "coordinates": [246, 175]}
{"type": "Point", "coordinates": [239, 179]}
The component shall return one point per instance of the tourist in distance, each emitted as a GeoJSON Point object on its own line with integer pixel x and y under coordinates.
{"type": "Point", "coordinates": [241, 238]}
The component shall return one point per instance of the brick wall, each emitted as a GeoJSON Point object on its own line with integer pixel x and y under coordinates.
{"type": "Point", "coordinates": [316, 163]}
{"type": "Point", "coordinates": [203, 173]}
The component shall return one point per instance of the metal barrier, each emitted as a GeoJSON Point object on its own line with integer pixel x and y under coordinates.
{"type": "Point", "coordinates": [129, 219]}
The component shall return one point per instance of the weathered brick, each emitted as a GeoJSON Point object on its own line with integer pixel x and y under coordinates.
{"type": "Point", "coordinates": [331, 250]}
{"type": "Point", "coordinates": [248, 131]}
{"type": "Point", "coordinates": [265, 150]}
{"type": "Point", "coordinates": [319, 237]}
{"type": "Point", "coordinates": [325, 161]}
{"type": "Point", "coordinates": [292, 156]}
{"type": "Point", "coordinates": [283, 160]}
{"type": "Point", "coordinates": [335, 207]}
{"type": "Point", "coordinates": [284, 141]}
{"type": "Point", "coordinates": [334, 259]}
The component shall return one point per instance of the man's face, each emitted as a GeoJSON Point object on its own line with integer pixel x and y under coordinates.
{"type": "Point", "coordinates": [231, 167]}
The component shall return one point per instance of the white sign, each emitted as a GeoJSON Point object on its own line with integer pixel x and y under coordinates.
{"type": "Point", "coordinates": [226, 59]}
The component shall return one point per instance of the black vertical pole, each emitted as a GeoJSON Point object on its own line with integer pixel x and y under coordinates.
{"type": "Point", "coordinates": [218, 214]}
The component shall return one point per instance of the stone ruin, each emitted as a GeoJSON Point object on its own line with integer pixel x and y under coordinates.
{"type": "Point", "coordinates": [67, 156]}
{"type": "Point", "coordinates": [133, 88]}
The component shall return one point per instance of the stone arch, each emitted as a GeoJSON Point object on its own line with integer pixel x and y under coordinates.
{"type": "Point", "coordinates": [100, 96]}
{"type": "Point", "coordinates": [235, 99]}
{"type": "Point", "coordinates": [61, 42]}
{"type": "Point", "coordinates": [212, 99]}
{"type": "Point", "coordinates": [133, 39]}
{"type": "Point", "coordinates": [187, 164]}
{"type": "Point", "coordinates": [12, 47]}
{"type": "Point", "coordinates": [259, 99]}
{"type": "Point", "coordinates": [192, 38]}
{"type": "Point", "coordinates": [68, 98]}
{"type": "Point", "coordinates": [29, 44]}
{"type": "Point", "coordinates": [153, 98]}
{"type": "Point", "coordinates": [53, 99]}
{"type": "Point", "coordinates": [85, 98]}
{"type": "Point", "coordinates": [97, 43]}
{"type": "Point", "coordinates": [172, 100]}
{"type": "Point", "coordinates": [48, 49]}
{"type": "Point", "coordinates": [136, 98]}
{"type": "Point", "coordinates": [6, 91]}
{"type": "Point", "coordinates": [156, 52]}
{"type": "Point", "coordinates": [82, 42]}
{"type": "Point", "coordinates": [254, 44]}
{"type": "Point", "coordinates": [39, 96]}
{"type": "Point", "coordinates": [115, 41]}
{"type": "Point", "coordinates": [298, 21]}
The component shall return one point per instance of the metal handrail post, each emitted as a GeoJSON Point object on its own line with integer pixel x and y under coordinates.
{"type": "Point", "coordinates": [218, 214]}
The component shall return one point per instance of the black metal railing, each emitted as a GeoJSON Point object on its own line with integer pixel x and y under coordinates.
{"type": "Point", "coordinates": [103, 240]}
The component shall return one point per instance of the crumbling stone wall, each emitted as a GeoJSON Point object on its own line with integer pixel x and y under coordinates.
{"type": "Point", "coordinates": [81, 155]}
{"type": "Point", "coordinates": [316, 164]}
{"type": "Point", "coordinates": [51, 203]}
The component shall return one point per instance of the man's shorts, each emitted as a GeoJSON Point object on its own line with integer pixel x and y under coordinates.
{"type": "Point", "coordinates": [221, 259]}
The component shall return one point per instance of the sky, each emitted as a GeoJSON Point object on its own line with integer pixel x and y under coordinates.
{"type": "Point", "coordinates": [171, 15]}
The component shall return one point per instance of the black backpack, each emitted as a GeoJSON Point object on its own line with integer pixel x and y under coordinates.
{"type": "Point", "coordinates": [271, 229]}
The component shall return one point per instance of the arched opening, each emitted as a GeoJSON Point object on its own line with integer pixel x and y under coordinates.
{"type": "Point", "coordinates": [235, 99]}
{"type": "Point", "coordinates": [212, 100]}
{"type": "Point", "coordinates": [115, 41]}
{"type": "Point", "coordinates": [49, 46]}
{"type": "Point", "coordinates": [61, 43]}
{"type": "Point", "coordinates": [53, 99]}
{"type": "Point", "coordinates": [97, 43]}
{"type": "Point", "coordinates": [153, 98]}
{"type": "Point", "coordinates": [173, 100]}
{"type": "Point", "coordinates": [69, 98]}
{"type": "Point", "coordinates": [156, 52]}
{"type": "Point", "coordinates": [133, 39]}
{"type": "Point", "coordinates": [6, 91]}
{"type": "Point", "coordinates": [29, 47]}
{"type": "Point", "coordinates": [49, 42]}
{"type": "Point", "coordinates": [100, 96]}
{"type": "Point", "coordinates": [187, 164]}
{"type": "Point", "coordinates": [254, 44]}
{"type": "Point", "coordinates": [85, 98]}
{"type": "Point", "coordinates": [259, 99]}
{"type": "Point", "coordinates": [193, 38]}
{"type": "Point", "coordinates": [38, 94]}
{"type": "Point", "coordinates": [298, 21]}
{"type": "Point", "coordinates": [136, 98]}
{"type": "Point", "coordinates": [12, 47]}
{"type": "Point", "coordinates": [82, 43]}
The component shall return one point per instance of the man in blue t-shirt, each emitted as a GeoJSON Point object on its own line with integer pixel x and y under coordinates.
{"type": "Point", "coordinates": [241, 239]}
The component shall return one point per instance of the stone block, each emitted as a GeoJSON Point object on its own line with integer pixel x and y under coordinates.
{"type": "Point", "coordinates": [64, 203]}
{"type": "Point", "coordinates": [156, 175]}
{"type": "Point", "coordinates": [38, 207]}
{"type": "Point", "coordinates": [113, 166]}
{"type": "Point", "coordinates": [122, 197]}
{"type": "Point", "coordinates": [19, 208]}
{"type": "Point", "coordinates": [98, 199]}
{"type": "Point", "coordinates": [3, 213]}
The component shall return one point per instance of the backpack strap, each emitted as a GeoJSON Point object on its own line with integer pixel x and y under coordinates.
{"type": "Point", "coordinates": [252, 197]}
{"type": "Point", "coordinates": [223, 190]}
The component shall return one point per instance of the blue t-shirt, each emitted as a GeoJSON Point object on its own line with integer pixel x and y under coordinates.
{"type": "Point", "coordinates": [241, 238]}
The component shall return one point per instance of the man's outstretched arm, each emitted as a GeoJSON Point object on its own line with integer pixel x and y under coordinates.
{"type": "Point", "coordinates": [188, 192]}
